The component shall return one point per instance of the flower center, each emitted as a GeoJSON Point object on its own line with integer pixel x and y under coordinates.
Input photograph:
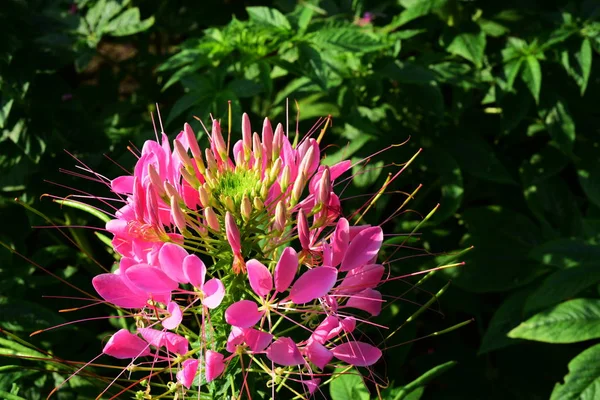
{"type": "Point", "coordinates": [235, 185]}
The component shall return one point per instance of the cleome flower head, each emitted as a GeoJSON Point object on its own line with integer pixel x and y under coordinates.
{"type": "Point", "coordinates": [236, 264]}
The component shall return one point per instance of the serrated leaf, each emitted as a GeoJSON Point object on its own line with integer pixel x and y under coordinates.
{"type": "Point", "coordinates": [562, 285]}
{"type": "Point", "coordinates": [347, 39]}
{"type": "Point", "coordinates": [583, 380]}
{"type": "Point", "coordinates": [268, 16]}
{"type": "Point", "coordinates": [579, 65]}
{"type": "Point", "coordinates": [348, 385]}
{"type": "Point", "coordinates": [532, 76]}
{"type": "Point", "coordinates": [561, 126]}
{"type": "Point", "coordinates": [128, 23]}
{"type": "Point", "coordinates": [470, 46]}
{"type": "Point", "coordinates": [569, 322]}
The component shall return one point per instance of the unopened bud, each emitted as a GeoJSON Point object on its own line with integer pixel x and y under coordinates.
{"type": "Point", "coordinates": [177, 215]}
{"type": "Point", "coordinates": [228, 203]}
{"type": "Point", "coordinates": [258, 204]}
{"type": "Point", "coordinates": [303, 231]}
{"type": "Point", "coordinates": [298, 188]}
{"type": "Point", "coordinates": [233, 234]}
{"type": "Point", "coordinates": [277, 142]}
{"type": "Point", "coordinates": [280, 217]}
{"type": "Point", "coordinates": [275, 170]}
{"type": "Point", "coordinates": [246, 208]}
{"type": "Point", "coordinates": [211, 219]}
{"type": "Point", "coordinates": [155, 180]}
{"type": "Point", "coordinates": [246, 136]}
{"type": "Point", "coordinates": [257, 150]}
{"type": "Point", "coordinates": [307, 161]}
{"type": "Point", "coordinates": [170, 189]}
{"type": "Point", "coordinates": [284, 180]}
{"type": "Point", "coordinates": [324, 189]}
{"type": "Point", "coordinates": [189, 178]}
{"type": "Point", "coordinates": [193, 143]}
{"type": "Point", "coordinates": [217, 140]}
{"type": "Point", "coordinates": [211, 163]}
{"type": "Point", "coordinates": [267, 138]}
{"type": "Point", "coordinates": [204, 196]}
{"type": "Point", "coordinates": [182, 154]}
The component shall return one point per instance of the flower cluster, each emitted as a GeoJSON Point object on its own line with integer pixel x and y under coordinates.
{"type": "Point", "coordinates": [237, 260]}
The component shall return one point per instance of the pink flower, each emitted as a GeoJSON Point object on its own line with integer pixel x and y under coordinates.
{"type": "Point", "coordinates": [124, 344]}
{"type": "Point", "coordinates": [188, 372]}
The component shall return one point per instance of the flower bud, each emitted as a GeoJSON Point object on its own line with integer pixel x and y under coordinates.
{"type": "Point", "coordinates": [191, 139]}
{"type": "Point", "coordinates": [189, 178]}
{"type": "Point", "coordinates": [246, 136]}
{"type": "Point", "coordinates": [229, 204]}
{"type": "Point", "coordinates": [307, 161]}
{"type": "Point", "coordinates": [324, 187]}
{"type": "Point", "coordinates": [217, 140]}
{"type": "Point", "coordinates": [303, 231]}
{"type": "Point", "coordinates": [204, 195]}
{"type": "Point", "coordinates": [275, 169]}
{"type": "Point", "coordinates": [257, 150]}
{"type": "Point", "coordinates": [182, 154]}
{"type": "Point", "coordinates": [277, 142]}
{"type": "Point", "coordinates": [233, 234]}
{"type": "Point", "coordinates": [177, 215]}
{"type": "Point", "coordinates": [211, 163]}
{"type": "Point", "coordinates": [211, 219]}
{"type": "Point", "coordinates": [258, 204]}
{"type": "Point", "coordinates": [155, 180]}
{"type": "Point", "coordinates": [267, 138]}
{"type": "Point", "coordinates": [170, 189]}
{"type": "Point", "coordinates": [284, 180]}
{"type": "Point", "coordinates": [280, 217]}
{"type": "Point", "coordinates": [246, 208]}
{"type": "Point", "coordinates": [297, 189]}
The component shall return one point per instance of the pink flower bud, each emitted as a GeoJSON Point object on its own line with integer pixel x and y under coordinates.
{"type": "Point", "coordinates": [177, 215]}
{"type": "Point", "coordinates": [298, 188]}
{"type": "Point", "coordinates": [191, 139]}
{"type": "Point", "coordinates": [307, 161]}
{"type": "Point", "coordinates": [217, 140]}
{"type": "Point", "coordinates": [324, 189]}
{"type": "Point", "coordinates": [257, 149]}
{"type": "Point", "coordinates": [211, 219]}
{"type": "Point", "coordinates": [280, 217]}
{"type": "Point", "coordinates": [303, 230]}
{"type": "Point", "coordinates": [182, 154]}
{"type": "Point", "coordinates": [211, 163]}
{"type": "Point", "coordinates": [233, 234]}
{"type": "Point", "coordinates": [267, 138]}
{"type": "Point", "coordinates": [204, 197]}
{"type": "Point", "coordinates": [155, 180]}
{"type": "Point", "coordinates": [277, 142]}
{"type": "Point", "coordinates": [284, 180]}
{"type": "Point", "coordinates": [246, 136]}
{"type": "Point", "coordinates": [246, 208]}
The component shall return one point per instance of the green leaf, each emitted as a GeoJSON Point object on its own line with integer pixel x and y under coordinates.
{"type": "Point", "coordinates": [128, 23]}
{"type": "Point", "coordinates": [588, 171]}
{"type": "Point", "coordinates": [532, 76]}
{"type": "Point", "coordinates": [562, 285]}
{"type": "Point", "coordinates": [470, 46]}
{"type": "Point", "coordinates": [511, 71]}
{"type": "Point", "coordinates": [502, 240]}
{"type": "Point", "coordinates": [365, 175]}
{"type": "Point", "coordinates": [565, 253]}
{"type": "Point", "coordinates": [347, 39]}
{"type": "Point", "coordinates": [542, 165]}
{"type": "Point", "coordinates": [268, 16]}
{"type": "Point", "coordinates": [583, 380]}
{"type": "Point", "coordinates": [561, 126]}
{"type": "Point", "coordinates": [9, 396]}
{"type": "Point", "coordinates": [569, 322]}
{"type": "Point", "coordinates": [506, 317]}
{"type": "Point", "coordinates": [451, 182]}
{"type": "Point", "coordinates": [579, 65]}
{"type": "Point", "coordinates": [348, 385]}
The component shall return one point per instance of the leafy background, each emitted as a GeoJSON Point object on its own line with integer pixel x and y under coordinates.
{"type": "Point", "coordinates": [501, 96]}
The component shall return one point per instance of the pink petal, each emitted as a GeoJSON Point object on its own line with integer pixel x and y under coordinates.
{"type": "Point", "coordinates": [188, 372]}
{"type": "Point", "coordinates": [214, 365]}
{"type": "Point", "coordinates": [321, 333]}
{"type": "Point", "coordinates": [112, 288]}
{"type": "Point", "coordinates": [313, 284]}
{"type": "Point", "coordinates": [340, 241]}
{"type": "Point", "coordinates": [171, 341]}
{"type": "Point", "coordinates": [171, 258]}
{"type": "Point", "coordinates": [236, 337]}
{"type": "Point", "coordinates": [122, 184]}
{"type": "Point", "coordinates": [286, 269]}
{"type": "Point", "coordinates": [348, 324]}
{"type": "Point", "coordinates": [214, 292]}
{"type": "Point", "coordinates": [356, 353]}
{"type": "Point", "coordinates": [284, 352]}
{"type": "Point", "coordinates": [312, 385]}
{"type": "Point", "coordinates": [357, 279]}
{"type": "Point", "coordinates": [257, 340]}
{"type": "Point", "coordinates": [194, 270]}
{"type": "Point", "coordinates": [151, 279]}
{"type": "Point", "coordinates": [318, 354]}
{"type": "Point", "coordinates": [363, 248]}
{"type": "Point", "coordinates": [243, 314]}
{"type": "Point", "coordinates": [124, 344]}
{"type": "Point", "coordinates": [260, 278]}
{"type": "Point", "coordinates": [368, 300]}
{"type": "Point", "coordinates": [175, 318]}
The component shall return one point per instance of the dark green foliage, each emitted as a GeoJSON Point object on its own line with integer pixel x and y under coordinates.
{"type": "Point", "coordinates": [501, 96]}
